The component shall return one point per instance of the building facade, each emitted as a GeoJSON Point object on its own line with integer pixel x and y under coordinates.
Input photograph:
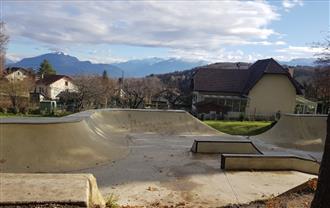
{"type": "Point", "coordinates": [260, 91]}
{"type": "Point", "coordinates": [50, 86]}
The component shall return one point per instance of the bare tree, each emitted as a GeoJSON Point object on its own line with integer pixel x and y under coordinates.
{"type": "Point", "coordinates": [137, 91]}
{"type": "Point", "coordinates": [92, 92]}
{"type": "Point", "coordinates": [324, 56]}
{"type": "Point", "coordinates": [89, 91]}
{"type": "Point", "coordinates": [17, 91]}
{"type": "Point", "coordinates": [322, 194]}
{"type": "Point", "coordinates": [108, 89]}
{"type": "Point", "coordinates": [172, 95]}
{"type": "Point", "coordinates": [177, 91]}
{"type": "Point", "coordinates": [4, 38]}
{"type": "Point", "coordinates": [321, 82]}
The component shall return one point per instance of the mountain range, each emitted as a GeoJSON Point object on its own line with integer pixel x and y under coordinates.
{"type": "Point", "coordinates": [300, 62]}
{"type": "Point", "coordinates": [66, 64]}
{"type": "Point", "coordinates": [70, 65]}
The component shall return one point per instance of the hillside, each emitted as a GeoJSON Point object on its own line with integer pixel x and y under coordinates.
{"type": "Point", "coordinates": [70, 65]}
{"type": "Point", "coordinates": [66, 64]}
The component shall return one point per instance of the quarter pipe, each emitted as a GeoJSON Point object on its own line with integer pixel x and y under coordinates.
{"type": "Point", "coordinates": [298, 132]}
{"type": "Point", "coordinates": [84, 139]}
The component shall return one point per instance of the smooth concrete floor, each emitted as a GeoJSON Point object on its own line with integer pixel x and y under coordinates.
{"type": "Point", "coordinates": [161, 168]}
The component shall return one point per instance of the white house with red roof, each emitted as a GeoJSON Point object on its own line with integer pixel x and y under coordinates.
{"type": "Point", "coordinates": [50, 86]}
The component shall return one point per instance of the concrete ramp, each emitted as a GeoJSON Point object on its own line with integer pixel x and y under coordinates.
{"type": "Point", "coordinates": [300, 132]}
{"type": "Point", "coordinates": [44, 189]}
{"type": "Point", "coordinates": [55, 147]}
{"type": "Point", "coordinates": [224, 145]}
{"type": "Point", "coordinates": [85, 139]}
{"type": "Point", "coordinates": [168, 122]}
{"type": "Point", "coordinates": [296, 142]}
{"type": "Point", "coordinates": [273, 162]}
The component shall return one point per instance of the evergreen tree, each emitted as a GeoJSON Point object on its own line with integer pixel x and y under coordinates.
{"type": "Point", "coordinates": [46, 68]}
{"type": "Point", "coordinates": [105, 75]}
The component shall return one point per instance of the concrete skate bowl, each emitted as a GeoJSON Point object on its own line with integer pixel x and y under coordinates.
{"type": "Point", "coordinates": [54, 146]}
{"type": "Point", "coordinates": [85, 139]}
{"type": "Point", "coordinates": [151, 121]}
{"type": "Point", "coordinates": [299, 132]}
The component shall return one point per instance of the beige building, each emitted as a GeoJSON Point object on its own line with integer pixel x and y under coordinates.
{"type": "Point", "coordinates": [50, 86]}
{"type": "Point", "coordinates": [17, 74]}
{"type": "Point", "coordinates": [262, 90]}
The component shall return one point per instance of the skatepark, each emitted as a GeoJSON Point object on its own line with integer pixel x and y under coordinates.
{"type": "Point", "coordinates": [149, 156]}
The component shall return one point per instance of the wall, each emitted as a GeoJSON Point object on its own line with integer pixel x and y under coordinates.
{"type": "Point", "coordinates": [43, 89]}
{"type": "Point", "coordinates": [59, 86]}
{"type": "Point", "coordinates": [17, 75]}
{"type": "Point", "coordinates": [272, 93]}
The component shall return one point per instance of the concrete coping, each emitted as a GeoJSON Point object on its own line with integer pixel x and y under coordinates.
{"type": "Point", "coordinates": [42, 120]}
{"type": "Point", "coordinates": [225, 145]}
{"type": "Point", "coordinates": [77, 117]}
{"type": "Point", "coordinates": [31, 189]}
{"type": "Point", "coordinates": [271, 162]}
{"type": "Point", "coordinates": [306, 115]}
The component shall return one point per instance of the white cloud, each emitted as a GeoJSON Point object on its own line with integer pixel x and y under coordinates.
{"type": "Point", "coordinates": [172, 24]}
{"type": "Point", "coordinates": [95, 58]}
{"type": "Point", "coordinates": [300, 50]}
{"type": "Point", "coordinates": [13, 57]}
{"type": "Point", "coordinates": [292, 52]}
{"type": "Point", "coordinates": [289, 4]}
{"type": "Point", "coordinates": [221, 55]}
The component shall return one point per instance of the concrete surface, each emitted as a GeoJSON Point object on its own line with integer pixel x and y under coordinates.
{"type": "Point", "coordinates": [161, 168]}
{"type": "Point", "coordinates": [141, 156]}
{"type": "Point", "coordinates": [252, 162]}
{"type": "Point", "coordinates": [55, 147]}
{"type": "Point", "coordinates": [297, 132]}
{"type": "Point", "coordinates": [83, 140]}
{"type": "Point", "coordinates": [72, 189]}
{"type": "Point", "coordinates": [296, 142]}
{"type": "Point", "coordinates": [224, 145]}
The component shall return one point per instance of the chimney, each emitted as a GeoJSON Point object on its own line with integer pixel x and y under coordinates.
{"type": "Point", "coordinates": [238, 64]}
{"type": "Point", "coordinates": [291, 71]}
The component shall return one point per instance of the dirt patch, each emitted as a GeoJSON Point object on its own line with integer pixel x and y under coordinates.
{"type": "Point", "coordinates": [298, 197]}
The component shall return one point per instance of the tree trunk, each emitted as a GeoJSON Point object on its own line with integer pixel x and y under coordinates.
{"type": "Point", "coordinates": [322, 194]}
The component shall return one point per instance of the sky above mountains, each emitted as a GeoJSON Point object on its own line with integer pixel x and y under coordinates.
{"type": "Point", "coordinates": [107, 32]}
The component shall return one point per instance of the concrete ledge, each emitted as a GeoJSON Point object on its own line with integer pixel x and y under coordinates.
{"type": "Point", "coordinates": [70, 189]}
{"type": "Point", "coordinates": [268, 162]}
{"type": "Point", "coordinates": [224, 146]}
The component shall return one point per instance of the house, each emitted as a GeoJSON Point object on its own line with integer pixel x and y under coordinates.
{"type": "Point", "coordinates": [262, 90]}
{"type": "Point", "coordinates": [17, 73]}
{"type": "Point", "coordinates": [50, 86]}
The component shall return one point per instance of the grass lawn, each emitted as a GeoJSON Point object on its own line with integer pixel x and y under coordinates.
{"type": "Point", "coordinates": [246, 128]}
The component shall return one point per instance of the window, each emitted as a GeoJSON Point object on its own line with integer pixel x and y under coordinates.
{"type": "Point", "coordinates": [243, 105]}
{"type": "Point", "coordinates": [229, 103]}
{"type": "Point", "coordinates": [236, 105]}
{"type": "Point", "coordinates": [66, 83]}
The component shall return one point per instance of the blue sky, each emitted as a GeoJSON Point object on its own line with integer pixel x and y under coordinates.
{"type": "Point", "coordinates": [214, 31]}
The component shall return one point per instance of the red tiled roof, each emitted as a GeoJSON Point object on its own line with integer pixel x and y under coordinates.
{"type": "Point", "coordinates": [220, 80]}
{"type": "Point", "coordinates": [237, 81]}
{"type": "Point", "coordinates": [49, 79]}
